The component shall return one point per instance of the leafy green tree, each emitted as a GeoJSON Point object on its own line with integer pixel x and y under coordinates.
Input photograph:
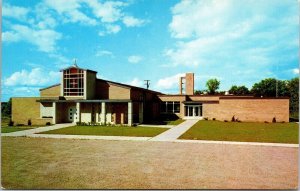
{"type": "Point", "coordinates": [6, 108]}
{"type": "Point", "coordinates": [199, 92]}
{"type": "Point", "coordinates": [267, 88]}
{"type": "Point", "coordinates": [212, 85]}
{"type": "Point", "coordinates": [239, 90]}
{"type": "Point", "coordinates": [293, 88]}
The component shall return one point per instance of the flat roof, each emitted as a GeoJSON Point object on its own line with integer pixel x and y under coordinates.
{"type": "Point", "coordinates": [86, 101]}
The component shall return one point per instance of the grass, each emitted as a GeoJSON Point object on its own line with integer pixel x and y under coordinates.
{"type": "Point", "coordinates": [245, 132]}
{"type": "Point", "coordinates": [10, 129]}
{"type": "Point", "coordinates": [109, 131]}
{"type": "Point", "coordinates": [176, 122]}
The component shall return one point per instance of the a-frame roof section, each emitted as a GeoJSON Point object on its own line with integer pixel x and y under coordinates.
{"type": "Point", "coordinates": [75, 66]}
{"type": "Point", "coordinates": [129, 86]}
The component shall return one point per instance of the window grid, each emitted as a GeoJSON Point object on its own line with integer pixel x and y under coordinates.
{"type": "Point", "coordinates": [73, 82]}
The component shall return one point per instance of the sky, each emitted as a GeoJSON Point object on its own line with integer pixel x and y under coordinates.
{"type": "Point", "coordinates": [239, 42]}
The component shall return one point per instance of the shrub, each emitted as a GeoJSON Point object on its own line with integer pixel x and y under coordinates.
{"type": "Point", "coordinates": [282, 121]}
{"type": "Point", "coordinates": [214, 119]}
{"type": "Point", "coordinates": [274, 120]}
{"type": "Point", "coordinates": [266, 122]}
{"type": "Point", "coordinates": [48, 123]}
{"type": "Point", "coordinates": [233, 119]}
{"type": "Point", "coordinates": [29, 122]}
{"type": "Point", "coordinates": [11, 123]}
{"type": "Point", "coordinates": [205, 118]}
{"type": "Point", "coordinates": [225, 121]}
{"type": "Point", "coordinates": [20, 124]}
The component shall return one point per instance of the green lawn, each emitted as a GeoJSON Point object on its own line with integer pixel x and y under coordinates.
{"type": "Point", "coordinates": [248, 132]}
{"type": "Point", "coordinates": [10, 129]}
{"type": "Point", "coordinates": [176, 122]}
{"type": "Point", "coordinates": [109, 131]}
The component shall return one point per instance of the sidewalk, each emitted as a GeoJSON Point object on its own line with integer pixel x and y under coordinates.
{"type": "Point", "coordinates": [36, 130]}
{"type": "Point", "coordinates": [175, 132]}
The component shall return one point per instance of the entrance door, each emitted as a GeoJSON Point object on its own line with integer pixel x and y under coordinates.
{"type": "Point", "coordinates": [193, 111]}
{"type": "Point", "coordinates": [71, 113]}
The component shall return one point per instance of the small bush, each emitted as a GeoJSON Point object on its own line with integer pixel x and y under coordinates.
{"type": "Point", "coordinates": [266, 122]}
{"type": "Point", "coordinates": [20, 124]}
{"type": "Point", "coordinates": [282, 121]}
{"type": "Point", "coordinates": [233, 119]}
{"type": "Point", "coordinates": [214, 119]}
{"type": "Point", "coordinates": [205, 118]}
{"type": "Point", "coordinates": [29, 122]}
{"type": "Point", "coordinates": [11, 123]}
{"type": "Point", "coordinates": [48, 123]}
{"type": "Point", "coordinates": [274, 120]}
{"type": "Point", "coordinates": [225, 121]}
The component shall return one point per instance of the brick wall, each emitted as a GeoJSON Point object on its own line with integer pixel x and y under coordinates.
{"type": "Point", "coordinates": [189, 80]}
{"type": "Point", "coordinates": [256, 110]}
{"type": "Point", "coordinates": [51, 92]}
{"type": "Point", "coordinates": [27, 108]}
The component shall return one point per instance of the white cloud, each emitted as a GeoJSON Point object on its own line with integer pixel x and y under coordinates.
{"type": "Point", "coordinates": [170, 82]}
{"type": "Point", "coordinates": [108, 12]}
{"type": "Point", "coordinates": [240, 43]}
{"type": "Point", "coordinates": [134, 59]}
{"type": "Point", "coordinates": [71, 11]}
{"type": "Point", "coordinates": [136, 82]}
{"type": "Point", "coordinates": [130, 21]}
{"type": "Point", "coordinates": [104, 53]}
{"type": "Point", "coordinates": [110, 29]}
{"type": "Point", "coordinates": [35, 77]}
{"type": "Point", "coordinates": [296, 71]}
{"type": "Point", "coordinates": [14, 12]}
{"type": "Point", "coordinates": [44, 39]}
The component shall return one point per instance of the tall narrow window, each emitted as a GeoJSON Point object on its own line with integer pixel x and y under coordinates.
{"type": "Point", "coordinates": [73, 82]}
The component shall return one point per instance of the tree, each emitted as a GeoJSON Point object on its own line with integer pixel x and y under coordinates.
{"type": "Point", "coordinates": [199, 92]}
{"type": "Point", "coordinates": [212, 85]}
{"type": "Point", "coordinates": [293, 88]}
{"type": "Point", "coordinates": [267, 88]}
{"type": "Point", "coordinates": [6, 108]}
{"type": "Point", "coordinates": [239, 90]}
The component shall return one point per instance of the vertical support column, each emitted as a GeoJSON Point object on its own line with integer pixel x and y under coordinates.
{"type": "Point", "coordinates": [141, 112]}
{"type": "Point", "coordinates": [103, 113]}
{"type": "Point", "coordinates": [78, 112]}
{"type": "Point", "coordinates": [54, 113]}
{"type": "Point", "coordinates": [129, 113]}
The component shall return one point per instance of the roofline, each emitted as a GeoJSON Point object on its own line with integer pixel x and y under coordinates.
{"type": "Point", "coordinates": [129, 86]}
{"type": "Point", "coordinates": [77, 68]}
{"type": "Point", "coordinates": [170, 95]}
{"type": "Point", "coordinates": [50, 87]}
{"type": "Point", "coordinates": [239, 97]}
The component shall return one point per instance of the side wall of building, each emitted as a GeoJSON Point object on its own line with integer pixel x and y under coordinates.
{"type": "Point", "coordinates": [50, 92]}
{"type": "Point", "coordinates": [248, 110]}
{"type": "Point", "coordinates": [179, 98]}
{"type": "Point", "coordinates": [26, 108]}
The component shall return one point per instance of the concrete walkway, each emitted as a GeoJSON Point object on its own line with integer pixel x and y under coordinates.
{"type": "Point", "coordinates": [90, 137]}
{"type": "Point", "coordinates": [161, 126]}
{"type": "Point", "coordinates": [175, 132]}
{"type": "Point", "coordinates": [36, 130]}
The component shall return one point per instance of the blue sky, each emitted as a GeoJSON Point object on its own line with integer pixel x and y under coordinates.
{"type": "Point", "coordinates": [239, 42]}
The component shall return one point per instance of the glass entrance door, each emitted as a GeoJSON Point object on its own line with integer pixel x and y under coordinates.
{"type": "Point", "coordinates": [193, 110]}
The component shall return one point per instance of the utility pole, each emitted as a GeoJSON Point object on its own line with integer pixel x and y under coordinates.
{"type": "Point", "coordinates": [276, 81]}
{"type": "Point", "coordinates": [147, 83]}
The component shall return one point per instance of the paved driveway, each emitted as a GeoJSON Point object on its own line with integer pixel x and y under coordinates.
{"type": "Point", "coordinates": [96, 164]}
